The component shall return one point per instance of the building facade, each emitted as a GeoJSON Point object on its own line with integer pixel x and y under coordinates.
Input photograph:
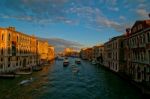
{"type": "Point", "coordinates": [113, 50]}
{"type": "Point", "coordinates": [86, 53]}
{"type": "Point", "coordinates": [137, 46]}
{"type": "Point", "coordinates": [98, 53]}
{"type": "Point", "coordinates": [42, 51]}
{"type": "Point", "coordinates": [18, 50]}
{"type": "Point", "coordinates": [51, 53]}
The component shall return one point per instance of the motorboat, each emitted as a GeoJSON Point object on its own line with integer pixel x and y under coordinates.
{"type": "Point", "coordinates": [75, 70]}
{"type": "Point", "coordinates": [59, 58]}
{"type": "Point", "coordinates": [66, 62]}
{"type": "Point", "coordinates": [25, 82]}
{"type": "Point", "coordinates": [94, 62]}
{"type": "Point", "coordinates": [78, 61]}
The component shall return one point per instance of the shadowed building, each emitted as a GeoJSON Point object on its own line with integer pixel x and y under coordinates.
{"type": "Point", "coordinates": [98, 53]}
{"type": "Point", "coordinates": [114, 55]}
{"type": "Point", "coordinates": [137, 48]}
{"type": "Point", "coordinates": [86, 53]}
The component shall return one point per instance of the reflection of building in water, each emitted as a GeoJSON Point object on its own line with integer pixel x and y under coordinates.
{"type": "Point", "coordinates": [18, 50]}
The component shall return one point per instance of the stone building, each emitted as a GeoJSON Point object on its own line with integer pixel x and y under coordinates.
{"type": "Point", "coordinates": [51, 53]}
{"type": "Point", "coordinates": [86, 53]}
{"type": "Point", "coordinates": [113, 52]}
{"type": "Point", "coordinates": [137, 48]}
{"type": "Point", "coordinates": [17, 50]}
{"type": "Point", "coordinates": [98, 53]}
{"type": "Point", "coordinates": [42, 51]}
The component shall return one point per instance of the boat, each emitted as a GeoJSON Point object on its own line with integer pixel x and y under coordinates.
{"type": "Point", "coordinates": [94, 62]}
{"type": "Point", "coordinates": [37, 68]}
{"type": "Point", "coordinates": [25, 82]}
{"type": "Point", "coordinates": [78, 61]}
{"type": "Point", "coordinates": [7, 76]}
{"type": "Point", "coordinates": [75, 70]}
{"type": "Point", "coordinates": [66, 62]}
{"type": "Point", "coordinates": [59, 58]}
{"type": "Point", "coordinates": [23, 72]}
{"type": "Point", "coordinates": [73, 65]}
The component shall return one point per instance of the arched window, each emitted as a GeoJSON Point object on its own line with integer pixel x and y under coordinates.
{"type": "Point", "coordinates": [17, 38]}
{"type": "Point", "coordinates": [2, 37]}
{"type": "Point", "coordinates": [8, 37]}
{"type": "Point", "coordinates": [2, 51]}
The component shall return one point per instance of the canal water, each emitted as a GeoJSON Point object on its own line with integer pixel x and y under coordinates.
{"type": "Point", "coordinates": [58, 82]}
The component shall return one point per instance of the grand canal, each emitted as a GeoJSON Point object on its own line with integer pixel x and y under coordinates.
{"type": "Point", "coordinates": [58, 82]}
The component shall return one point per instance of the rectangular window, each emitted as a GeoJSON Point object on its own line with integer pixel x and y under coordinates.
{"type": "Point", "coordinates": [148, 36]}
{"type": "Point", "coordinates": [149, 56]}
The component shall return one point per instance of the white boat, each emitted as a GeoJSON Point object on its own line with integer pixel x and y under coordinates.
{"type": "Point", "coordinates": [66, 62]}
{"type": "Point", "coordinates": [94, 62]}
{"type": "Point", "coordinates": [59, 58]}
{"type": "Point", "coordinates": [75, 70]}
{"type": "Point", "coordinates": [78, 61]}
{"type": "Point", "coordinates": [27, 81]}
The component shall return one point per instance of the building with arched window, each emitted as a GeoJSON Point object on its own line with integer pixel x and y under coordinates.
{"type": "Point", "coordinates": [137, 47]}
{"type": "Point", "coordinates": [19, 50]}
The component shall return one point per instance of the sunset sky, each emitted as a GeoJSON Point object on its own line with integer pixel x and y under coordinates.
{"type": "Point", "coordinates": [86, 22]}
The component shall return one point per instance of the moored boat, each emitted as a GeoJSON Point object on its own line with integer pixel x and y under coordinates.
{"type": "Point", "coordinates": [37, 68]}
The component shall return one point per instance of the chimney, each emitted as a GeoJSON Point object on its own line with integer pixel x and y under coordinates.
{"type": "Point", "coordinates": [12, 28]}
{"type": "Point", "coordinates": [128, 31]}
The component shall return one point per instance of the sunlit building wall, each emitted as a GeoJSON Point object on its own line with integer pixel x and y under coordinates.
{"type": "Point", "coordinates": [114, 55]}
{"type": "Point", "coordinates": [51, 53]}
{"type": "Point", "coordinates": [42, 50]}
{"type": "Point", "coordinates": [17, 50]}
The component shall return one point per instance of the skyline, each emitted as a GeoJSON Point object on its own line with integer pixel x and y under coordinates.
{"type": "Point", "coordinates": [88, 23]}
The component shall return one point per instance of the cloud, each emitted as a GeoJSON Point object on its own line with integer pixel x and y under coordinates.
{"type": "Point", "coordinates": [34, 10]}
{"type": "Point", "coordinates": [142, 12]}
{"type": "Point", "coordinates": [122, 18]}
{"type": "Point", "coordinates": [142, 5]}
{"type": "Point", "coordinates": [114, 9]}
{"type": "Point", "coordinates": [60, 44]}
{"type": "Point", "coordinates": [73, 12]}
